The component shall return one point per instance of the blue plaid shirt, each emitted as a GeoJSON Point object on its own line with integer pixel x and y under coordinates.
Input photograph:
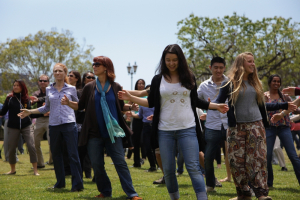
{"type": "Point", "coordinates": [59, 114]}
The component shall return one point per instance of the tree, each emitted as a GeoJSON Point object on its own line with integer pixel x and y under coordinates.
{"type": "Point", "coordinates": [36, 54]}
{"type": "Point", "coordinates": [275, 43]}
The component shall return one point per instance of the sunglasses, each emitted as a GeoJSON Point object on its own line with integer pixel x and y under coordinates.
{"type": "Point", "coordinates": [70, 75]}
{"type": "Point", "coordinates": [45, 81]}
{"type": "Point", "coordinates": [96, 64]}
{"type": "Point", "coordinates": [90, 77]}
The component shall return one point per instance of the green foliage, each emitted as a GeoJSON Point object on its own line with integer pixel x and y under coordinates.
{"type": "Point", "coordinates": [36, 54]}
{"type": "Point", "coordinates": [275, 43]}
{"type": "Point", "coordinates": [2, 98]}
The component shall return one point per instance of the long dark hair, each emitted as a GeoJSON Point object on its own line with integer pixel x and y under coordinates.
{"type": "Point", "coordinates": [24, 92]}
{"type": "Point", "coordinates": [84, 76]}
{"type": "Point", "coordinates": [270, 79]}
{"type": "Point", "coordinates": [78, 76]}
{"type": "Point", "coordinates": [185, 74]}
{"type": "Point", "coordinates": [136, 83]}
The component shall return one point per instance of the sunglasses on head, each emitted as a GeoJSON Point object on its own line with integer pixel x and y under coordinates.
{"type": "Point", "coordinates": [90, 77]}
{"type": "Point", "coordinates": [45, 81]}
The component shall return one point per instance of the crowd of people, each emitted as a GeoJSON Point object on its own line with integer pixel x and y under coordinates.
{"type": "Point", "coordinates": [86, 118]}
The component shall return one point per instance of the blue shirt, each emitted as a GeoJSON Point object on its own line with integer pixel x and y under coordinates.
{"type": "Point", "coordinates": [59, 114]}
{"type": "Point", "coordinates": [111, 102]}
{"type": "Point", "coordinates": [214, 118]}
{"type": "Point", "coordinates": [144, 112]}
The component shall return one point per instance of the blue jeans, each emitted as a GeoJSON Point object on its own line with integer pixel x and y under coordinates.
{"type": "Point", "coordinates": [68, 133]}
{"type": "Point", "coordinates": [188, 143]}
{"type": "Point", "coordinates": [285, 136]}
{"type": "Point", "coordinates": [180, 161]}
{"type": "Point", "coordinates": [213, 139]}
{"type": "Point", "coordinates": [95, 148]}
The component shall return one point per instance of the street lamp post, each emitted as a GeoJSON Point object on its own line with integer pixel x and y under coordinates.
{"type": "Point", "coordinates": [131, 70]}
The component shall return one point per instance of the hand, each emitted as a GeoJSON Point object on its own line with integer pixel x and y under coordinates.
{"type": "Point", "coordinates": [128, 119]}
{"type": "Point", "coordinates": [276, 117]}
{"type": "Point", "coordinates": [150, 117]}
{"type": "Point", "coordinates": [64, 100]}
{"type": "Point", "coordinates": [33, 99]}
{"type": "Point", "coordinates": [124, 95]}
{"type": "Point", "coordinates": [292, 107]}
{"type": "Point", "coordinates": [128, 114]}
{"type": "Point", "coordinates": [135, 107]}
{"type": "Point", "coordinates": [223, 108]}
{"type": "Point", "coordinates": [289, 91]}
{"type": "Point", "coordinates": [203, 116]}
{"type": "Point", "coordinates": [47, 114]}
{"type": "Point", "coordinates": [24, 113]}
{"type": "Point", "coordinates": [208, 99]}
{"type": "Point", "coordinates": [131, 148]}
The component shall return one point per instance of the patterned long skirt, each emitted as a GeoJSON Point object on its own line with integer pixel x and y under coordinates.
{"type": "Point", "coordinates": [247, 155]}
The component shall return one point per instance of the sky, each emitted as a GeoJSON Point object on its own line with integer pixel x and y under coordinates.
{"type": "Point", "coordinates": [127, 31]}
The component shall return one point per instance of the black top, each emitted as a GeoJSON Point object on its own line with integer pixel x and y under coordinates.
{"type": "Point", "coordinates": [12, 104]}
{"type": "Point", "coordinates": [154, 101]}
{"type": "Point", "coordinates": [263, 108]}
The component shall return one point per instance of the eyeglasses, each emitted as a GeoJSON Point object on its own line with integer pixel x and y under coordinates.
{"type": "Point", "coordinates": [71, 75]}
{"type": "Point", "coordinates": [90, 77]}
{"type": "Point", "coordinates": [45, 81]}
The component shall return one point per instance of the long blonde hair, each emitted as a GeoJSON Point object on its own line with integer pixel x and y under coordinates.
{"type": "Point", "coordinates": [235, 75]}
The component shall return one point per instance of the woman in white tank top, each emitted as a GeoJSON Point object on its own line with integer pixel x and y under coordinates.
{"type": "Point", "coordinates": [173, 93]}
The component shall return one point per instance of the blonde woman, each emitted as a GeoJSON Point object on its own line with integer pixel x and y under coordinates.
{"type": "Point", "coordinates": [247, 119]}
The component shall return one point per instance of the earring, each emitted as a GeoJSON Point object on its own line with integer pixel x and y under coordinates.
{"type": "Point", "coordinates": [105, 71]}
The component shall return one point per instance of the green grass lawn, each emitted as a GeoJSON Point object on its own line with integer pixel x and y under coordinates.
{"type": "Point", "coordinates": [24, 185]}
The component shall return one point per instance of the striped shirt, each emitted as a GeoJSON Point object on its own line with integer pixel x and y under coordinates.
{"type": "Point", "coordinates": [59, 114]}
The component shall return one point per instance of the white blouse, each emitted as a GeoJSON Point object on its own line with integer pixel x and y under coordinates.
{"type": "Point", "coordinates": [176, 110]}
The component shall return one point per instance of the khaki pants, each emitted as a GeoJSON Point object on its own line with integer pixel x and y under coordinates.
{"type": "Point", "coordinates": [42, 126]}
{"type": "Point", "coordinates": [13, 138]}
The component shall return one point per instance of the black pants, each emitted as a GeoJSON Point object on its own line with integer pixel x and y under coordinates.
{"type": "Point", "coordinates": [146, 138]}
{"type": "Point", "coordinates": [137, 127]}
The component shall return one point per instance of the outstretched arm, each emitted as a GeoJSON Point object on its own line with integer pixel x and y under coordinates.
{"type": "Point", "coordinates": [138, 93]}
{"type": "Point", "coordinates": [125, 95]}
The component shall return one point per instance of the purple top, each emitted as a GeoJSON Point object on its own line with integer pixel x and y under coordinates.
{"type": "Point", "coordinates": [59, 114]}
{"type": "Point", "coordinates": [145, 112]}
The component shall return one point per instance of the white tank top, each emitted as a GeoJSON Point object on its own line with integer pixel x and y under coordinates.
{"type": "Point", "coordinates": [176, 110]}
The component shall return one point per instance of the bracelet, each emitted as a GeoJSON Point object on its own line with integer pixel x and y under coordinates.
{"type": "Point", "coordinates": [282, 112]}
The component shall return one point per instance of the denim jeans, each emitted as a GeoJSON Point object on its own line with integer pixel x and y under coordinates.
{"type": "Point", "coordinates": [68, 133]}
{"type": "Point", "coordinates": [213, 139]}
{"type": "Point", "coordinates": [285, 136]}
{"type": "Point", "coordinates": [95, 148]}
{"type": "Point", "coordinates": [187, 140]}
{"type": "Point", "coordinates": [180, 161]}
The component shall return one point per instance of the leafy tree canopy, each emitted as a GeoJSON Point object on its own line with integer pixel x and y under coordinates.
{"type": "Point", "coordinates": [36, 54]}
{"type": "Point", "coordinates": [275, 43]}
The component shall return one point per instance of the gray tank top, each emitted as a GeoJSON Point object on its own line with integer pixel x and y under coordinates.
{"type": "Point", "coordinates": [246, 107]}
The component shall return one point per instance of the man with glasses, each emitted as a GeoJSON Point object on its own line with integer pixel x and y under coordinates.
{"type": "Point", "coordinates": [42, 122]}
